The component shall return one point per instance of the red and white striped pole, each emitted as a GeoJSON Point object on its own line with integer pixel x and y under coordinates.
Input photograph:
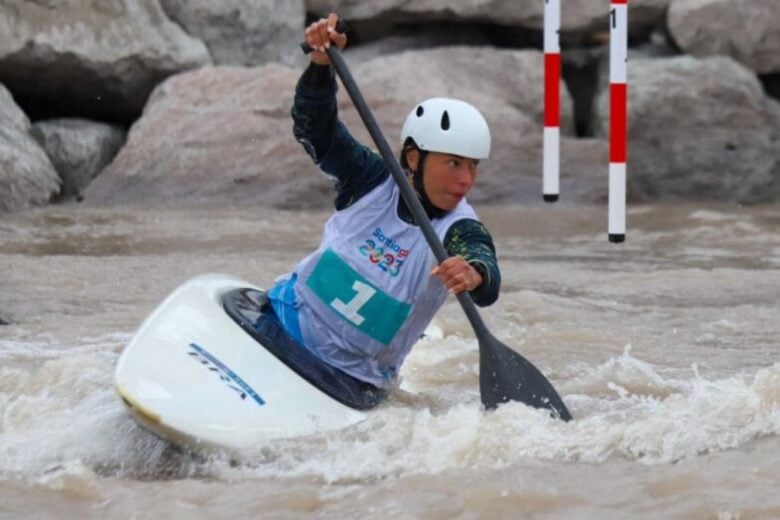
{"type": "Point", "coordinates": [552, 101]}
{"type": "Point", "coordinates": [618, 119]}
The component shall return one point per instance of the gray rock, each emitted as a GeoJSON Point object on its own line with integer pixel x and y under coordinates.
{"type": "Point", "coordinates": [79, 150]}
{"type": "Point", "coordinates": [223, 135]}
{"type": "Point", "coordinates": [244, 32]}
{"type": "Point", "coordinates": [576, 15]}
{"type": "Point", "coordinates": [504, 84]}
{"type": "Point", "coordinates": [94, 59]}
{"type": "Point", "coordinates": [746, 30]}
{"type": "Point", "coordinates": [647, 13]}
{"type": "Point", "coordinates": [592, 19]}
{"type": "Point", "coordinates": [421, 41]}
{"type": "Point", "coordinates": [27, 177]}
{"type": "Point", "coordinates": [215, 136]}
{"type": "Point", "coordinates": [504, 12]}
{"type": "Point", "coordinates": [698, 129]}
{"type": "Point", "coordinates": [513, 174]}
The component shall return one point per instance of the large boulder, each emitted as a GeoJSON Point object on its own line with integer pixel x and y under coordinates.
{"type": "Point", "coordinates": [27, 177]}
{"type": "Point", "coordinates": [223, 135]}
{"type": "Point", "coordinates": [698, 129]}
{"type": "Point", "coordinates": [218, 135]}
{"type": "Point", "coordinates": [395, 43]}
{"type": "Point", "coordinates": [79, 150]}
{"type": "Point", "coordinates": [90, 59]}
{"type": "Point", "coordinates": [577, 16]}
{"type": "Point", "coordinates": [244, 32]}
{"type": "Point", "coordinates": [746, 30]}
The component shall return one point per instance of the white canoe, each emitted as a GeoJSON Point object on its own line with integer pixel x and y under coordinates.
{"type": "Point", "coordinates": [193, 376]}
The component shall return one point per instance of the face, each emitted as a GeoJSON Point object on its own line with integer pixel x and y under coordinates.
{"type": "Point", "coordinates": [447, 178]}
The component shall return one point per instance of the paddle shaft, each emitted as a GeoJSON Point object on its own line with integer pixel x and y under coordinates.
{"type": "Point", "coordinates": [409, 195]}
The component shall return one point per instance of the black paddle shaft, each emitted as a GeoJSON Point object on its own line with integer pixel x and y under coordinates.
{"type": "Point", "coordinates": [504, 374]}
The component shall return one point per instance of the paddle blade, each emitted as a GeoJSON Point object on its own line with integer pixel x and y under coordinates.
{"type": "Point", "coordinates": [505, 375]}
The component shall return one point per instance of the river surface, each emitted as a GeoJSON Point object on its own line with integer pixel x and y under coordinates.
{"type": "Point", "coordinates": [666, 350]}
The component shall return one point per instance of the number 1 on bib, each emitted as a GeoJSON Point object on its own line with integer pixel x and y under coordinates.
{"type": "Point", "coordinates": [350, 309]}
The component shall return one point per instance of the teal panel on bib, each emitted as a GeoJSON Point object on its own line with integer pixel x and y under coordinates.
{"type": "Point", "coordinates": [362, 304]}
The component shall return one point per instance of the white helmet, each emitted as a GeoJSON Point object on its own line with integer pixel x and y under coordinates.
{"type": "Point", "coordinates": [448, 126]}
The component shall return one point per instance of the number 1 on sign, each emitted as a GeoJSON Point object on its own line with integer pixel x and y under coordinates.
{"type": "Point", "coordinates": [350, 309]}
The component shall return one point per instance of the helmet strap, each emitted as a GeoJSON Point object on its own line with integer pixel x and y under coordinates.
{"type": "Point", "coordinates": [417, 180]}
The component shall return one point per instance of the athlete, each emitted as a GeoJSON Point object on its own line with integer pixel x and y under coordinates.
{"type": "Point", "coordinates": [361, 300]}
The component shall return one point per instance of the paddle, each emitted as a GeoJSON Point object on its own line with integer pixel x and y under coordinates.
{"type": "Point", "coordinates": [504, 375]}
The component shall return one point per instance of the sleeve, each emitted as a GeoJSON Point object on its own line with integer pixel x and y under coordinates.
{"type": "Point", "coordinates": [470, 239]}
{"type": "Point", "coordinates": [356, 168]}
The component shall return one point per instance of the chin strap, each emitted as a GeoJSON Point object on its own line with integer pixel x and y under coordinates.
{"type": "Point", "coordinates": [417, 180]}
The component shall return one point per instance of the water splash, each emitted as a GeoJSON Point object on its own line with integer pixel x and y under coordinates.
{"type": "Point", "coordinates": [59, 417]}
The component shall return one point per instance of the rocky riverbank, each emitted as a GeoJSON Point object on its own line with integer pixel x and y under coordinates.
{"type": "Point", "coordinates": [173, 103]}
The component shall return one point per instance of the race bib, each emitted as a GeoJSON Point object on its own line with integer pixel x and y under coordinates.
{"type": "Point", "coordinates": [353, 297]}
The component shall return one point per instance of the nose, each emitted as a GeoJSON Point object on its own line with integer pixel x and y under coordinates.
{"type": "Point", "coordinates": [467, 173]}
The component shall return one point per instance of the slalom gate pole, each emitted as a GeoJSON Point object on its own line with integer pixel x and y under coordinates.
{"type": "Point", "coordinates": [618, 119]}
{"type": "Point", "coordinates": [552, 101]}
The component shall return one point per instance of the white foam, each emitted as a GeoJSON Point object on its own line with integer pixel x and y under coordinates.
{"type": "Point", "coordinates": [63, 415]}
{"type": "Point", "coordinates": [648, 418]}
